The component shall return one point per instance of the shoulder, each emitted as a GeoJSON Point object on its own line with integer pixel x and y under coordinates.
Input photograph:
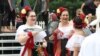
{"type": "Point", "coordinates": [78, 38]}
{"type": "Point", "coordinates": [80, 32]}
{"type": "Point", "coordinates": [21, 28]}
{"type": "Point", "coordinates": [71, 24]}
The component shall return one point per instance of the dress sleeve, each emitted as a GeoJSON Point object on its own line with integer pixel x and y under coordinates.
{"type": "Point", "coordinates": [19, 31]}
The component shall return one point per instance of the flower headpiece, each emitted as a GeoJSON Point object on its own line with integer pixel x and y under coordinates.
{"type": "Point", "coordinates": [84, 20]}
{"type": "Point", "coordinates": [60, 10]}
{"type": "Point", "coordinates": [25, 10]}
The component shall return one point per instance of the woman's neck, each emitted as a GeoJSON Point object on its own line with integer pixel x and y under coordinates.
{"type": "Point", "coordinates": [64, 23]}
{"type": "Point", "coordinates": [79, 32]}
{"type": "Point", "coordinates": [30, 24]}
{"type": "Point", "coordinates": [78, 29]}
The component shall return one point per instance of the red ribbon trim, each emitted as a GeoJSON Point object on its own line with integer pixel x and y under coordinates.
{"type": "Point", "coordinates": [29, 44]}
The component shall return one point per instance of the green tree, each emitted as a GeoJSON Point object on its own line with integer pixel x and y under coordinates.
{"type": "Point", "coordinates": [72, 5]}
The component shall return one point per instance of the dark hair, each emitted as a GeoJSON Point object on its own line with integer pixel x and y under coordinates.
{"type": "Point", "coordinates": [96, 0]}
{"type": "Point", "coordinates": [28, 12]}
{"type": "Point", "coordinates": [78, 22]}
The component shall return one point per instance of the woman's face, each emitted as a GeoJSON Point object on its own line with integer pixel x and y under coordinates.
{"type": "Point", "coordinates": [78, 12]}
{"type": "Point", "coordinates": [31, 18]}
{"type": "Point", "coordinates": [64, 16]}
{"type": "Point", "coordinates": [96, 2]}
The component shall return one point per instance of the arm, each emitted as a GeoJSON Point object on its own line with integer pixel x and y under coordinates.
{"type": "Point", "coordinates": [82, 6]}
{"type": "Point", "coordinates": [76, 51]}
{"type": "Point", "coordinates": [22, 38]}
{"type": "Point", "coordinates": [51, 37]}
{"type": "Point", "coordinates": [44, 43]}
{"type": "Point", "coordinates": [54, 34]}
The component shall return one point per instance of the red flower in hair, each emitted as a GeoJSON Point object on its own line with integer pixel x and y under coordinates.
{"type": "Point", "coordinates": [60, 10]}
{"type": "Point", "coordinates": [82, 16]}
{"type": "Point", "coordinates": [24, 11]}
{"type": "Point", "coordinates": [27, 8]}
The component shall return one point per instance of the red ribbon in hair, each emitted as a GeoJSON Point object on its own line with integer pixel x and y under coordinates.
{"type": "Point", "coordinates": [27, 8]}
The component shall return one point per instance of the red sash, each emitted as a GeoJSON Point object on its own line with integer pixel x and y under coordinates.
{"type": "Point", "coordinates": [57, 44]}
{"type": "Point", "coordinates": [45, 52]}
{"type": "Point", "coordinates": [29, 44]}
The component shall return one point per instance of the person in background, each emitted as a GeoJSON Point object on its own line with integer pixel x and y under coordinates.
{"type": "Point", "coordinates": [7, 7]}
{"type": "Point", "coordinates": [53, 24]}
{"type": "Point", "coordinates": [91, 44]}
{"type": "Point", "coordinates": [74, 43]}
{"type": "Point", "coordinates": [85, 21]}
{"type": "Point", "coordinates": [31, 36]}
{"type": "Point", "coordinates": [90, 8]}
{"type": "Point", "coordinates": [85, 2]}
{"type": "Point", "coordinates": [44, 11]}
{"type": "Point", "coordinates": [19, 21]}
{"type": "Point", "coordinates": [90, 18]}
{"type": "Point", "coordinates": [11, 15]}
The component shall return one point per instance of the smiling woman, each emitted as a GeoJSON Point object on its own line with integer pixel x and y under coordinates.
{"type": "Point", "coordinates": [62, 33]}
{"type": "Point", "coordinates": [31, 18]}
{"type": "Point", "coordinates": [29, 35]}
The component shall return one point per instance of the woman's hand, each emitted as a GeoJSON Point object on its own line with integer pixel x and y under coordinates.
{"type": "Point", "coordinates": [44, 43]}
{"type": "Point", "coordinates": [34, 33]}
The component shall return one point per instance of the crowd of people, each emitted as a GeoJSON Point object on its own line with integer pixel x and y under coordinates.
{"type": "Point", "coordinates": [66, 37]}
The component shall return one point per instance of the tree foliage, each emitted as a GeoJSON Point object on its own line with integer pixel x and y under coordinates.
{"type": "Point", "coordinates": [72, 5]}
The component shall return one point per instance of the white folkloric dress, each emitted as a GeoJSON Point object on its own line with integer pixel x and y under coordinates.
{"type": "Point", "coordinates": [23, 30]}
{"type": "Point", "coordinates": [75, 41]}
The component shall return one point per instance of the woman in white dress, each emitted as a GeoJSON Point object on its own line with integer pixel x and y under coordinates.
{"type": "Point", "coordinates": [74, 43]}
{"type": "Point", "coordinates": [31, 36]}
{"type": "Point", "coordinates": [62, 33]}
